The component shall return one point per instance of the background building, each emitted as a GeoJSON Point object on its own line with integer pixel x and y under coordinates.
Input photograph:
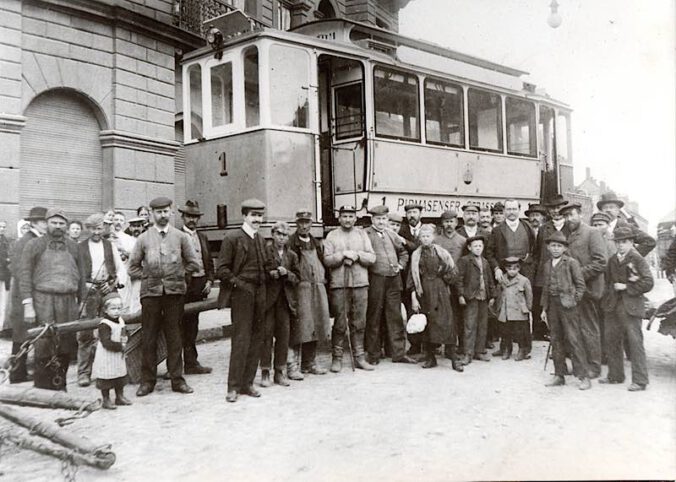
{"type": "Point", "coordinates": [89, 111]}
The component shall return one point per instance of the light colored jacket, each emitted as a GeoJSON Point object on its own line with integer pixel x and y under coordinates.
{"type": "Point", "coordinates": [515, 298]}
{"type": "Point", "coordinates": [336, 243]}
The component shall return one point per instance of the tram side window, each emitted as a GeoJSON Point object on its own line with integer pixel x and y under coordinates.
{"type": "Point", "coordinates": [485, 120]}
{"type": "Point", "coordinates": [396, 104]}
{"type": "Point", "coordinates": [349, 111]}
{"type": "Point", "coordinates": [562, 125]}
{"type": "Point", "coordinates": [289, 79]}
{"type": "Point", "coordinates": [195, 75]}
{"type": "Point", "coordinates": [546, 134]}
{"type": "Point", "coordinates": [443, 113]}
{"type": "Point", "coordinates": [251, 86]}
{"type": "Point", "coordinates": [521, 139]}
{"type": "Point", "coordinates": [221, 94]}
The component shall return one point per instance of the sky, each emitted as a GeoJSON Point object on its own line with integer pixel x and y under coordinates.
{"type": "Point", "coordinates": [613, 61]}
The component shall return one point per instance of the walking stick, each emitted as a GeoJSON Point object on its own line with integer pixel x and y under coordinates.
{"type": "Point", "coordinates": [347, 322]}
{"type": "Point", "coordinates": [549, 349]}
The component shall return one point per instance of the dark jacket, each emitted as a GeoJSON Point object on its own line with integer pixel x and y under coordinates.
{"type": "Point", "coordinates": [586, 245]}
{"type": "Point", "coordinates": [5, 245]}
{"type": "Point", "coordinates": [541, 253]}
{"type": "Point", "coordinates": [231, 258]}
{"type": "Point", "coordinates": [488, 244]}
{"type": "Point", "coordinates": [643, 242]}
{"type": "Point", "coordinates": [619, 272]}
{"type": "Point", "coordinates": [469, 276]}
{"type": "Point", "coordinates": [411, 242]}
{"type": "Point", "coordinates": [498, 250]}
{"type": "Point", "coordinates": [569, 279]}
{"type": "Point", "coordinates": [16, 305]}
{"type": "Point", "coordinates": [207, 260]}
{"type": "Point", "coordinates": [287, 284]}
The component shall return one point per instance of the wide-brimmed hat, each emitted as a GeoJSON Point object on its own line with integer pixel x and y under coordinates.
{"type": "Point", "coordinates": [557, 237]}
{"type": "Point", "coordinates": [623, 232]}
{"type": "Point", "coordinates": [554, 201]}
{"type": "Point", "coordinates": [535, 208]}
{"type": "Point", "coordinates": [192, 208]}
{"type": "Point", "coordinates": [600, 216]}
{"type": "Point", "coordinates": [37, 213]}
{"type": "Point", "coordinates": [609, 197]}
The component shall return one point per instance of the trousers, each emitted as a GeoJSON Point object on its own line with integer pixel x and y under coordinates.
{"type": "Point", "coordinates": [190, 326]}
{"type": "Point", "coordinates": [248, 319]}
{"type": "Point", "coordinates": [620, 326]}
{"type": "Point", "coordinates": [86, 339]}
{"type": "Point", "coordinates": [349, 303]}
{"type": "Point", "coordinates": [591, 334]}
{"type": "Point", "coordinates": [476, 326]}
{"type": "Point", "coordinates": [459, 326]}
{"type": "Point", "coordinates": [384, 300]}
{"type": "Point", "coordinates": [162, 313]}
{"type": "Point", "coordinates": [514, 331]}
{"type": "Point", "coordinates": [564, 332]}
{"type": "Point", "coordinates": [276, 333]}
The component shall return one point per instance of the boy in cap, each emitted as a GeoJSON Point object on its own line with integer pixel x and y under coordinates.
{"type": "Point", "coordinates": [513, 308]}
{"type": "Point", "coordinates": [161, 259]}
{"type": "Point", "coordinates": [563, 289]}
{"type": "Point", "coordinates": [242, 268]}
{"type": "Point", "coordinates": [628, 277]}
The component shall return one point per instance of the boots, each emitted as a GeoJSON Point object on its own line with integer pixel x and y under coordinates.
{"type": "Point", "coordinates": [337, 362]}
{"type": "Point", "coordinates": [557, 381]}
{"type": "Point", "coordinates": [453, 355]}
{"type": "Point", "coordinates": [265, 378]}
{"type": "Point", "coordinates": [107, 402]}
{"type": "Point", "coordinates": [280, 378]}
{"type": "Point", "coordinates": [521, 355]}
{"type": "Point", "coordinates": [359, 357]}
{"type": "Point", "coordinates": [361, 363]}
{"type": "Point", "coordinates": [293, 364]}
{"type": "Point", "coordinates": [585, 384]}
{"type": "Point", "coordinates": [120, 399]}
{"type": "Point", "coordinates": [430, 358]}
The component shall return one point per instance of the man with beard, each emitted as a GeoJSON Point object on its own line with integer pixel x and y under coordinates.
{"type": "Point", "coordinates": [103, 271]}
{"type": "Point", "coordinates": [348, 253]}
{"type": "Point", "coordinates": [242, 268]}
{"type": "Point", "coordinates": [454, 243]}
{"type": "Point", "coordinates": [38, 227]}
{"type": "Point", "coordinates": [136, 227]}
{"type": "Point", "coordinates": [199, 286]}
{"type": "Point", "coordinates": [52, 282]}
{"type": "Point", "coordinates": [537, 217]}
{"type": "Point", "coordinates": [161, 257]}
{"type": "Point", "coordinates": [586, 245]}
{"type": "Point", "coordinates": [611, 205]}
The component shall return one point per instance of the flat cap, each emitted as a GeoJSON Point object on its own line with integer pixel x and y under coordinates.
{"type": "Point", "coordinates": [600, 216]}
{"type": "Point", "coordinates": [449, 214]}
{"type": "Point", "coordinates": [511, 260]}
{"type": "Point", "coordinates": [410, 206]}
{"type": "Point", "coordinates": [570, 206]}
{"type": "Point", "coordinates": [498, 207]}
{"type": "Point", "coordinates": [347, 209]}
{"type": "Point", "coordinates": [557, 237]}
{"type": "Point", "coordinates": [379, 210]}
{"type": "Point", "coordinates": [136, 220]}
{"type": "Point", "coordinates": [56, 213]}
{"type": "Point", "coordinates": [253, 204]}
{"type": "Point", "coordinates": [470, 207]}
{"type": "Point", "coordinates": [303, 214]}
{"type": "Point", "coordinates": [160, 202]}
{"type": "Point", "coordinates": [395, 217]}
{"type": "Point", "coordinates": [478, 237]}
{"type": "Point", "coordinates": [94, 220]}
{"type": "Point", "coordinates": [623, 232]}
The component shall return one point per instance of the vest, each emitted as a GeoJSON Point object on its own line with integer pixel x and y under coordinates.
{"type": "Point", "coordinates": [108, 259]}
{"type": "Point", "coordinates": [517, 242]}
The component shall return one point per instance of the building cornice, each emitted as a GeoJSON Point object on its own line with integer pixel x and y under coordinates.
{"type": "Point", "coordinates": [129, 140]}
{"type": "Point", "coordinates": [11, 123]}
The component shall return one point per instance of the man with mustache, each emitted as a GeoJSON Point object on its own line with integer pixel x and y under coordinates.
{"type": "Point", "coordinates": [161, 257]}
{"type": "Point", "coordinates": [52, 282]}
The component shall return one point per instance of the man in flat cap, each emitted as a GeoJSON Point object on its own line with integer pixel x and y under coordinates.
{"type": "Point", "coordinates": [52, 282]}
{"type": "Point", "coordinates": [385, 287]}
{"type": "Point", "coordinates": [312, 325]}
{"type": "Point", "coordinates": [199, 285]}
{"type": "Point", "coordinates": [161, 258]}
{"type": "Point", "coordinates": [104, 271]}
{"type": "Point", "coordinates": [348, 253]}
{"type": "Point", "coordinates": [38, 227]}
{"type": "Point", "coordinates": [470, 227]}
{"type": "Point", "coordinates": [613, 206]}
{"type": "Point", "coordinates": [586, 245]}
{"type": "Point", "coordinates": [242, 267]}
{"type": "Point", "coordinates": [410, 231]}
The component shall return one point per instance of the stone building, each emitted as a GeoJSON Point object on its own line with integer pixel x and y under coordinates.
{"type": "Point", "coordinates": [89, 111]}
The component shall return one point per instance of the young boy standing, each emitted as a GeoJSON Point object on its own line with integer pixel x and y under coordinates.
{"type": "Point", "coordinates": [513, 308]}
{"type": "Point", "coordinates": [476, 288]}
{"type": "Point", "coordinates": [627, 279]}
{"type": "Point", "coordinates": [563, 288]}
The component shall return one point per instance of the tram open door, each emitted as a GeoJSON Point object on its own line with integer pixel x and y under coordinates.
{"type": "Point", "coordinates": [342, 140]}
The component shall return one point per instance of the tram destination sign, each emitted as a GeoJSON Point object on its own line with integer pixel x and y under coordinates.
{"type": "Point", "coordinates": [433, 206]}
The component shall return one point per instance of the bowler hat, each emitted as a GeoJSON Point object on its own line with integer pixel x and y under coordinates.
{"type": "Point", "coordinates": [379, 210]}
{"type": "Point", "coordinates": [511, 260]}
{"type": "Point", "coordinates": [535, 208]}
{"type": "Point", "coordinates": [253, 205]}
{"type": "Point", "coordinates": [623, 232]}
{"type": "Point", "coordinates": [347, 209]}
{"type": "Point", "coordinates": [449, 214]}
{"type": "Point", "coordinates": [160, 202]}
{"type": "Point", "coordinates": [470, 207]}
{"type": "Point", "coordinates": [570, 206]}
{"type": "Point", "coordinates": [478, 237]}
{"type": "Point", "coordinates": [600, 216]}
{"type": "Point", "coordinates": [37, 213]}
{"type": "Point", "coordinates": [609, 197]}
{"type": "Point", "coordinates": [56, 213]}
{"type": "Point", "coordinates": [303, 215]}
{"type": "Point", "coordinates": [410, 206]}
{"type": "Point", "coordinates": [557, 237]}
{"type": "Point", "coordinates": [191, 208]}
{"type": "Point", "coordinates": [498, 207]}
{"type": "Point", "coordinates": [557, 200]}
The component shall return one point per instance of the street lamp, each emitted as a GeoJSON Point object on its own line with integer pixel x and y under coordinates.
{"type": "Point", "coordinates": [554, 20]}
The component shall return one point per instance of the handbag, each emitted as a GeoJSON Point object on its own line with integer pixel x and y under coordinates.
{"type": "Point", "coordinates": [416, 324]}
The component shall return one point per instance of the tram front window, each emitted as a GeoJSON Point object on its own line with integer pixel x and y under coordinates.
{"type": "Point", "coordinates": [396, 104]}
{"type": "Point", "coordinates": [443, 113]}
{"type": "Point", "coordinates": [289, 79]}
{"type": "Point", "coordinates": [195, 76]}
{"type": "Point", "coordinates": [349, 112]}
{"type": "Point", "coordinates": [520, 116]}
{"type": "Point", "coordinates": [485, 120]}
{"type": "Point", "coordinates": [251, 97]}
{"type": "Point", "coordinates": [221, 94]}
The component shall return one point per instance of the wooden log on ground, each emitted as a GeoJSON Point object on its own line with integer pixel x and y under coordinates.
{"type": "Point", "coordinates": [37, 397]}
{"type": "Point", "coordinates": [104, 457]}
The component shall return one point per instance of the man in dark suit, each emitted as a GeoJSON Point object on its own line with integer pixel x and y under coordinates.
{"type": "Point", "coordinates": [471, 228]}
{"type": "Point", "coordinates": [38, 227]}
{"type": "Point", "coordinates": [537, 218]}
{"type": "Point", "coordinates": [410, 229]}
{"type": "Point", "coordinates": [611, 205]}
{"type": "Point", "coordinates": [199, 286]}
{"type": "Point", "coordinates": [241, 267]}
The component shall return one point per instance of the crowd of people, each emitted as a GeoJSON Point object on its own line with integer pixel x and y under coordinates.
{"type": "Point", "coordinates": [397, 288]}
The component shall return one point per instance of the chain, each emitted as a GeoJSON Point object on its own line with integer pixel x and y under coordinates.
{"type": "Point", "coordinates": [68, 469]}
{"type": "Point", "coordinates": [26, 346]}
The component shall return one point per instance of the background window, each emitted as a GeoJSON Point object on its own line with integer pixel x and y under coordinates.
{"type": "Point", "coordinates": [195, 76]}
{"type": "Point", "coordinates": [443, 113]}
{"type": "Point", "coordinates": [251, 97]}
{"type": "Point", "coordinates": [221, 94]}
{"type": "Point", "coordinates": [396, 104]}
{"type": "Point", "coordinates": [289, 73]}
{"type": "Point", "coordinates": [349, 111]}
{"type": "Point", "coordinates": [485, 120]}
{"type": "Point", "coordinates": [562, 126]}
{"type": "Point", "coordinates": [520, 115]}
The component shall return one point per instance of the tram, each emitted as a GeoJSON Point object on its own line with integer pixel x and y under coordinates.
{"type": "Point", "coordinates": [338, 112]}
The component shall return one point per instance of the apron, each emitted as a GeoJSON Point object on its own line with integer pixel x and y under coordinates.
{"type": "Point", "coordinates": [313, 322]}
{"type": "Point", "coordinates": [110, 364]}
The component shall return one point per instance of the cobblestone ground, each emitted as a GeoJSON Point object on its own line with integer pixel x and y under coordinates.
{"type": "Point", "coordinates": [495, 421]}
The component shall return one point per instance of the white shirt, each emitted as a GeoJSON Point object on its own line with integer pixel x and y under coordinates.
{"type": "Point", "coordinates": [513, 225]}
{"type": "Point", "coordinates": [558, 225]}
{"type": "Point", "coordinates": [99, 271]}
{"type": "Point", "coordinates": [556, 261]}
{"type": "Point", "coordinates": [248, 230]}
{"type": "Point", "coordinates": [416, 231]}
{"type": "Point", "coordinates": [471, 232]}
{"type": "Point", "coordinates": [612, 224]}
{"type": "Point", "coordinates": [164, 230]}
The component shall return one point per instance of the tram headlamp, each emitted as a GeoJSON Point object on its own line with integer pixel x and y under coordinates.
{"type": "Point", "coordinates": [214, 38]}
